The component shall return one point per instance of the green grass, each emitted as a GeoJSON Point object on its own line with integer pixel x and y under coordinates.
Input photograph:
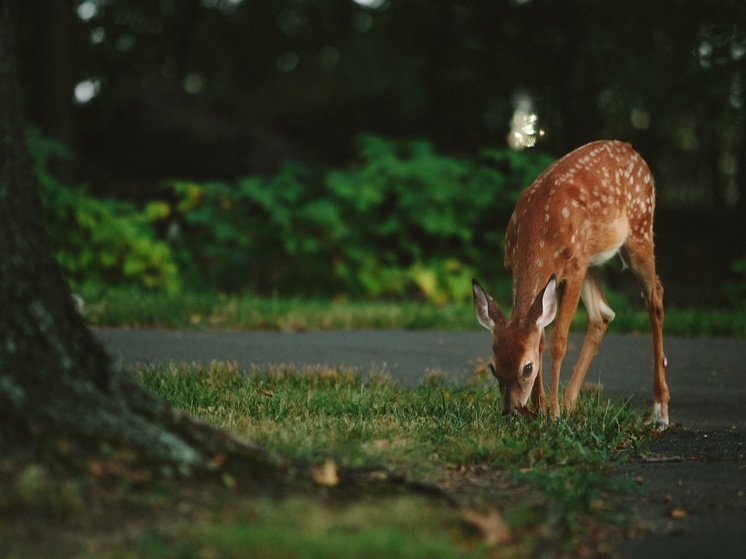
{"type": "Point", "coordinates": [300, 528]}
{"type": "Point", "coordinates": [317, 411]}
{"type": "Point", "coordinates": [140, 308]}
{"type": "Point", "coordinates": [548, 478]}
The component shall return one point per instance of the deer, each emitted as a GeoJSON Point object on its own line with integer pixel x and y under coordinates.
{"type": "Point", "coordinates": [591, 204]}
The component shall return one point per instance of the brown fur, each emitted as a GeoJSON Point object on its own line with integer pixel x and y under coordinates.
{"type": "Point", "coordinates": [584, 208]}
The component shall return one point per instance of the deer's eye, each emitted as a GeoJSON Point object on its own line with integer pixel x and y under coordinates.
{"type": "Point", "coordinates": [528, 368]}
{"type": "Point", "coordinates": [492, 370]}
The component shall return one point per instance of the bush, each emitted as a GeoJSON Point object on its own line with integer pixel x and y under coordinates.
{"type": "Point", "coordinates": [100, 242]}
{"type": "Point", "coordinates": [401, 221]}
{"type": "Point", "coordinates": [734, 289]}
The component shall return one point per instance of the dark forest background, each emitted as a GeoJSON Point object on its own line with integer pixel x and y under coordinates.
{"type": "Point", "coordinates": [142, 92]}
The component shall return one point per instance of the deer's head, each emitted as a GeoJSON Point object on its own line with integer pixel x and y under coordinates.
{"type": "Point", "coordinates": [516, 355]}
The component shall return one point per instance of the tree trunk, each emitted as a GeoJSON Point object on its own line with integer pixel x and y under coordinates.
{"type": "Point", "coordinates": [58, 387]}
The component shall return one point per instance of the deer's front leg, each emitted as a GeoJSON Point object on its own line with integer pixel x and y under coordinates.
{"type": "Point", "coordinates": [599, 315]}
{"type": "Point", "coordinates": [558, 344]}
{"type": "Point", "coordinates": [537, 392]}
{"type": "Point", "coordinates": [558, 347]}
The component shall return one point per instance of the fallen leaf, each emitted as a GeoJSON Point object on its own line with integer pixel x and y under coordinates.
{"type": "Point", "coordinates": [326, 473]}
{"type": "Point", "coordinates": [492, 526]}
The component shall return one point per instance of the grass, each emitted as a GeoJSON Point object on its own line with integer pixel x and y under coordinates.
{"type": "Point", "coordinates": [317, 411]}
{"type": "Point", "coordinates": [548, 479]}
{"type": "Point", "coordinates": [523, 486]}
{"type": "Point", "coordinates": [139, 308]}
{"type": "Point", "coordinates": [301, 528]}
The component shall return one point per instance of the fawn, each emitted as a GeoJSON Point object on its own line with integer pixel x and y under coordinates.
{"type": "Point", "coordinates": [583, 209]}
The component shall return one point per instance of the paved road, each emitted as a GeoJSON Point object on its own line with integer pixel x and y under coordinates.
{"type": "Point", "coordinates": [697, 469]}
{"type": "Point", "coordinates": [706, 376]}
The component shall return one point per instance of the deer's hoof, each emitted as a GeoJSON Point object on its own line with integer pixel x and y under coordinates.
{"type": "Point", "coordinates": [659, 420]}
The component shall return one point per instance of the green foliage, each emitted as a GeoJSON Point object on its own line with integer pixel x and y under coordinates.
{"type": "Point", "coordinates": [256, 232]}
{"type": "Point", "coordinates": [403, 220]}
{"type": "Point", "coordinates": [100, 242]}
{"type": "Point", "coordinates": [735, 289]}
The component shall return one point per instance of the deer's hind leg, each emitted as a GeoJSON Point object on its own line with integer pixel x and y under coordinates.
{"type": "Point", "coordinates": [599, 315]}
{"type": "Point", "coordinates": [639, 254]}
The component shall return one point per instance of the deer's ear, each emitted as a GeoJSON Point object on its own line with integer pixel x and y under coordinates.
{"type": "Point", "coordinates": [544, 308]}
{"type": "Point", "coordinates": [488, 313]}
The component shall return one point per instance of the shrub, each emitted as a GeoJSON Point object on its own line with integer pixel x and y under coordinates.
{"type": "Point", "coordinates": [735, 289]}
{"type": "Point", "coordinates": [402, 220]}
{"type": "Point", "coordinates": [100, 242]}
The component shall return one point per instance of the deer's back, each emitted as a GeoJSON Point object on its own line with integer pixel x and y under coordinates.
{"type": "Point", "coordinates": [579, 211]}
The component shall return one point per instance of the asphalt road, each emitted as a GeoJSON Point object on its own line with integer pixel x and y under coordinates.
{"type": "Point", "coordinates": [693, 501]}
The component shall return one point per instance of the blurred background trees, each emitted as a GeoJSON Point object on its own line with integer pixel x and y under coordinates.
{"type": "Point", "coordinates": [386, 108]}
